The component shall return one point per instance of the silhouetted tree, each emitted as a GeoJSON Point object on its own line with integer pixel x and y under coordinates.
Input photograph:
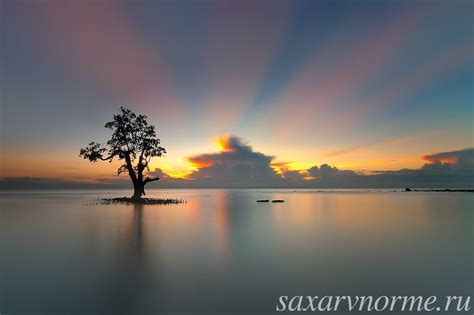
{"type": "Point", "coordinates": [134, 142]}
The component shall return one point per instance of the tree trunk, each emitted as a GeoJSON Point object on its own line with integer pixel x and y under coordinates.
{"type": "Point", "coordinates": [138, 189]}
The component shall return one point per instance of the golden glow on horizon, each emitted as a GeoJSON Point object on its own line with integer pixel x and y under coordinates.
{"type": "Point", "coordinates": [366, 160]}
{"type": "Point", "coordinates": [178, 175]}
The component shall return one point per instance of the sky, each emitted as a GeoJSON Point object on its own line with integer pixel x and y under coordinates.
{"type": "Point", "coordinates": [272, 93]}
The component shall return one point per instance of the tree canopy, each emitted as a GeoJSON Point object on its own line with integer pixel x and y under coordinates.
{"type": "Point", "coordinates": [134, 142]}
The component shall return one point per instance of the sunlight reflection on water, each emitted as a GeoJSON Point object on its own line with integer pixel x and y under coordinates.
{"type": "Point", "coordinates": [223, 252]}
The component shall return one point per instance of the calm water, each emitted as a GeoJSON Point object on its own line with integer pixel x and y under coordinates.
{"type": "Point", "coordinates": [224, 253]}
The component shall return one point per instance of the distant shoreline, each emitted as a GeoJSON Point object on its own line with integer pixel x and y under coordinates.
{"type": "Point", "coordinates": [281, 189]}
{"type": "Point", "coordinates": [440, 190]}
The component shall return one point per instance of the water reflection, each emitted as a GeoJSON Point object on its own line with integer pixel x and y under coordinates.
{"type": "Point", "coordinates": [222, 248]}
{"type": "Point", "coordinates": [129, 274]}
{"type": "Point", "coordinates": [222, 225]}
{"type": "Point", "coordinates": [135, 235]}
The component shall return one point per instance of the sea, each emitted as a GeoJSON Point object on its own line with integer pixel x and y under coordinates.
{"type": "Point", "coordinates": [222, 252]}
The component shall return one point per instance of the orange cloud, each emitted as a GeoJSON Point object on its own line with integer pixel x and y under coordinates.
{"type": "Point", "coordinates": [461, 159]}
{"type": "Point", "coordinates": [280, 167]}
{"type": "Point", "coordinates": [444, 160]}
{"type": "Point", "coordinates": [223, 143]}
{"type": "Point", "coordinates": [198, 164]}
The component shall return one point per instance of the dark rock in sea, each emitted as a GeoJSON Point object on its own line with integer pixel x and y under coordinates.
{"type": "Point", "coordinates": [407, 189]}
{"type": "Point", "coordinates": [141, 201]}
{"type": "Point", "coordinates": [278, 200]}
{"type": "Point", "coordinates": [263, 200]}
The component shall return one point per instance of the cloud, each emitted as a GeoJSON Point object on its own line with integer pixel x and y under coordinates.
{"type": "Point", "coordinates": [238, 165]}
{"type": "Point", "coordinates": [326, 171]}
{"type": "Point", "coordinates": [235, 164]}
{"type": "Point", "coordinates": [452, 160]}
{"type": "Point", "coordinates": [294, 175]}
{"type": "Point", "coordinates": [158, 172]}
{"type": "Point", "coordinates": [444, 169]}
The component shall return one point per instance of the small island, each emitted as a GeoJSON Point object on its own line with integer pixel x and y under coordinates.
{"type": "Point", "coordinates": [141, 201]}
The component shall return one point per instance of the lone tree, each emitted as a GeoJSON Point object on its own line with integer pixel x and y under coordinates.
{"type": "Point", "coordinates": [134, 142]}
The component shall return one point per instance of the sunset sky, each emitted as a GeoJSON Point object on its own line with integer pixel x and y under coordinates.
{"type": "Point", "coordinates": [363, 86]}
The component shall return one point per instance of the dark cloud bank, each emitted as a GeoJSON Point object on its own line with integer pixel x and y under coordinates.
{"type": "Point", "coordinates": [239, 166]}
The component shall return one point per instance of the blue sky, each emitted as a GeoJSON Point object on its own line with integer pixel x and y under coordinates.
{"type": "Point", "coordinates": [296, 79]}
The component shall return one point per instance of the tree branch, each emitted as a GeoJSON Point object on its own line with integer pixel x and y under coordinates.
{"type": "Point", "coordinates": [131, 172]}
{"type": "Point", "coordinates": [111, 156]}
